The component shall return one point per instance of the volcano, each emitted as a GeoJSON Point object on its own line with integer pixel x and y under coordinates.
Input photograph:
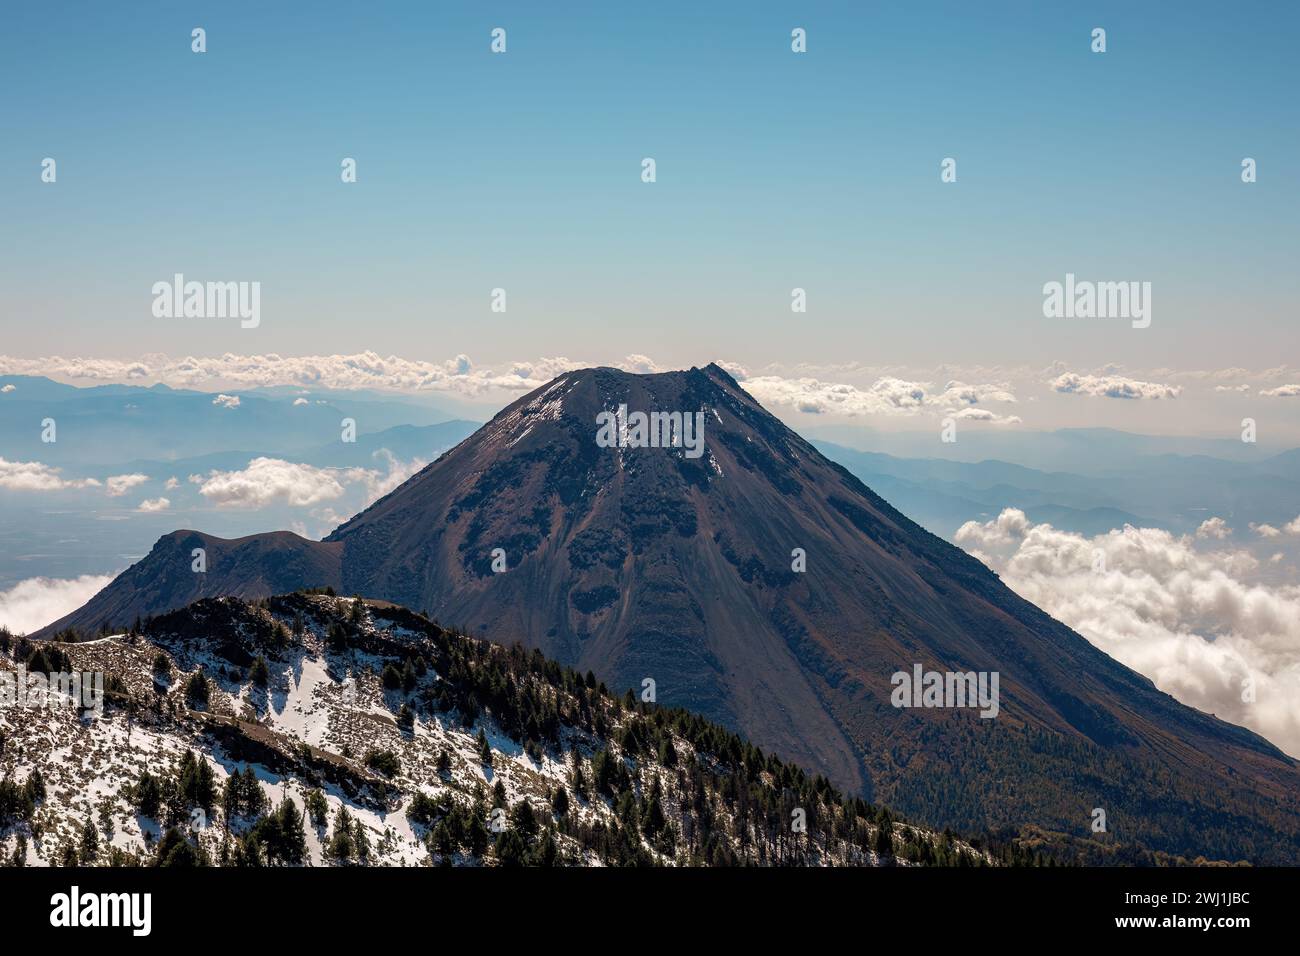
{"type": "Point", "coordinates": [754, 581]}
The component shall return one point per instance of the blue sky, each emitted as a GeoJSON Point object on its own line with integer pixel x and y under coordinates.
{"type": "Point", "coordinates": [775, 170]}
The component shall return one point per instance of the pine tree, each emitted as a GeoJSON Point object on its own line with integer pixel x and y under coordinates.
{"type": "Point", "coordinates": [476, 836]}
{"type": "Point", "coordinates": [249, 852]}
{"type": "Point", "coordinates": [884, 845]}
{"type": "Point", "coordinates": [293, 842]}
{"type": "Point", "coordinates": [510, 849]}
{"type": "Point", "coordinates": [341, 846]}
{"type": "Point", "coordinates": [89, 842]}
{"type": "Point", "coordinates": [406, 718]}
{"type": "Point", "coordinates": [338, 637]}
{"type": "Point", "coordinates": [547, 853]}
{"type": "Point", "coordinates": [197, 691]}
{"type": "Point", "coordinates": [146, 795]}
{"type": "Point", "coordinates": [361, 841]}
{"type": "Point", "coordinates": [652, 817]}
{"type": "Point", "coordinates": [523, 819]}
{"type": "Point", "coordinates": [317, 809]}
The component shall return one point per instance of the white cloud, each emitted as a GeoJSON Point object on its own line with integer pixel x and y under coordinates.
{"type": "Point", "coordinates": [984, 415]}
{"type": "Point", "coordinates": [301, 401]}
{"type": "Point", "coordinates": [30, 605]}
{"type": "Point", "coordinates": [738, 372]}
{"type": "Point", "coordinates": [1215, 528]}
{"type": "Point", "coordinates": [1112, 386]}
{"type": "Point", "coordinates": [226, 401]}
{"type": "Point", "coordinates": [171, 484]}
{"type": "Point", "coordinates": [1232, 388]}
{"type": "Point", "coordinates": [886, 396]}
{"type": "Point", "coordinates": [7, 389]}
{"type": "Point", "coordinates": [1265, 530]}
{"type": "Point", "coordinates": [150, 505]}
{"type": "Point", "coordinates": [363, 370]}
{"type": "Point", "coordinates": [34, 476]}
{"type": "Point", "coordinates": [640, 365]}
{"type": "Point", "coordinates": [118, 485]}
{"type": "Point", "coordinates": [268, 481]}
{"type": "Point", "coordinates": [1282, 391]}
{"type": "Point", "coordinates": [1292, 527]}
{"type": "Point", "coordinates": [379, 484]}
{"type": "Point", "coordinates": [962, 394]}
{"type": "Point", "coordinates": [1186, 618]}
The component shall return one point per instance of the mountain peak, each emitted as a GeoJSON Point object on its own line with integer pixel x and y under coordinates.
{"type": "Point", "coordinates": [766, 588]}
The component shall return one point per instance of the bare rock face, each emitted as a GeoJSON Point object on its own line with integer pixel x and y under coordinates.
{"type": "Point", "coordinates": [185, 566]}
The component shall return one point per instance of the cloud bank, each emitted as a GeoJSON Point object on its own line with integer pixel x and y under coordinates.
{"type": "Point", "coordinates": [30, 605]}
{"type": "Point", "coordinates": [1183, 615]}
{"type": "Point", "coordinates": [886, 396]}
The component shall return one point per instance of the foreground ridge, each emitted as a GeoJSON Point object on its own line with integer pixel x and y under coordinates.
{"type": "Point", "coordinates": [312, 729]}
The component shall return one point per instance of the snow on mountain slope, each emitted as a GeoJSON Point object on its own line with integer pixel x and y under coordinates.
{"type": "Point", "coordinates": [348, 683]}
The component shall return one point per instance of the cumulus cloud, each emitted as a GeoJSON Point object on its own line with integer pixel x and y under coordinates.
{"type": "Point", "coordinates": [34, 476]}
{"type": "Point", "coordinates": [30, 605]}
{"type": "Point", "coordinates": [301, 401]}
{"type": "Point", "coordinates": [738, 372]}
{"type": "Point", "coordinates": [888, 395]}
{"type": "Point", "coordinates": [1265, 530]}
{"type": "Point", "coordinates": [171, 484]}
{"type": "Point", "coordinates": [1112, 386]}
{"type": "Point", "coordinates": [226, 401]}
{"type": "Point", "coordinates": [7, 389]}
{"type": "Point", "coordinates": [1213, 528]}
{"type": "Point", "coordinates": [1232, 388]}
{"type": "Point", "coordinates": [984, 415]}
{"type": "Point", "coordinates": [640, 365]}
{"type": "Point", "coordinates": [118, 485]}
{"type": "Point", "coordinates": [150, 505]}
{"type": "Point", "coordinates": [959, 393]}
{"type": "Point", "coordinates": [1187, 618]}
{"type": "Point", "coordinates": [268, 481]}
{"type": "Point", "coordinates": [1292, 527]}
{"type": "Point", "coordinates": [1282, 391]}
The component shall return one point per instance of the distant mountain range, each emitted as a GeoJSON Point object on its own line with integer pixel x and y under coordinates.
{"type": "Point", "coordinates": [767, 588]}
{"type": "Point", "coordinates": [115, 424]}
{"type": "Point", "coordinates": [1175, 492]}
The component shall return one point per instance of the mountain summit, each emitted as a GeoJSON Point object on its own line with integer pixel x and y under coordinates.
{"type": "Point", "coordinates": [764, 586]}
